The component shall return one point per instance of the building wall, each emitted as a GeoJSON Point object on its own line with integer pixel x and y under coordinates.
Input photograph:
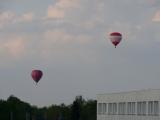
{"type": "Point", "coordinates": [127, 117]}
{"type": "Point", "coordinates": [134, 105]}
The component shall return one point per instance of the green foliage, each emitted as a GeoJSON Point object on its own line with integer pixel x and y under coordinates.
{"type": "Point", "coordinates": [16, 109]}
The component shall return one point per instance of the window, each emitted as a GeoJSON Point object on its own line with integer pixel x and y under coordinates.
{"type": "Point", "coordinates": [156, 108]}
{"type": "Point", "coordinates": [110, 108]}
{"type": "Point", "coordinates": [131, 108]}
{"type": "Point", "coordinates": [122, 108]}
{"type": "Point", "coordinates": [99, 108]}
{"type": "Point", "coordinates": [114, 108]}
{"type": "Point", "coordinates": [141, 108]}
{"type": "Point", "coordinates": [153, 108]}
{"type": "Point", "coordinates": [150, 107]}
{"type": "Point", "coordinates": [104, 108]}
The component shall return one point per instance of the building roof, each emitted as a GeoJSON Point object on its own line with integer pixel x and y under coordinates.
{"type": "Point", "coordinates": [136, 95]}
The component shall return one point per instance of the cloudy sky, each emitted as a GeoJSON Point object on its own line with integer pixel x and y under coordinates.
{"type": "Point", "coordinates": [68, 40]}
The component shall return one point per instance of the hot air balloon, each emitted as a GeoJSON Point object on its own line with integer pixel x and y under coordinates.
{"type": "Point", "coordinates": [115, 38]}
{"type": "Point", "coordinates": [36, 75]}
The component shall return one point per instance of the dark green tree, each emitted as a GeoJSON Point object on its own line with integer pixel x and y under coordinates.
{"type": "Point", "coordinates": [16, 109]}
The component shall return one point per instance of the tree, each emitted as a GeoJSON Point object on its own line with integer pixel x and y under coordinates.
{"type": "Point", "coordinates": [76, 108]}
{"type": "Point", "coordinates": [80, 109]}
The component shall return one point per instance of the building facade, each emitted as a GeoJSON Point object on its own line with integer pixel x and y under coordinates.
{"type": "Point", "coordinates": [133, 105]}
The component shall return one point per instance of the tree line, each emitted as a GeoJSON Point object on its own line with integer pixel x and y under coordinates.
{"type": "Point", "coordinates": [15, 109]}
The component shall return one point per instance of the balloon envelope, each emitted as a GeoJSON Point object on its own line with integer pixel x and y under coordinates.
{"type": "Point", "coordinates": [36, 75]}
{"type": "Point", "coordinates": [115, 38]}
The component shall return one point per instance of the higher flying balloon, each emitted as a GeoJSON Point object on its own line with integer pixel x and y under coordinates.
{"type": "Point", "coordinates": [115, 38]}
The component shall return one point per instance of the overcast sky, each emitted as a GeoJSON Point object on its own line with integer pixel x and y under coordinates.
{"type": "Point", "coordinates": [68, 40]}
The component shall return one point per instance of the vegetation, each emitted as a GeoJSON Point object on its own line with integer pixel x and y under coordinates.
{"type": "Point", "coordinates": [15, 109]}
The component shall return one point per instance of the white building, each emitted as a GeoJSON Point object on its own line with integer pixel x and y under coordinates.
{"type": "Point", "coordinates": [133, 105]}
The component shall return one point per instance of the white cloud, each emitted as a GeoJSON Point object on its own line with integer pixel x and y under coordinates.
{"type": "Point", "coordinates": [55, 13]}
{"type": "Point", "coordinates": [8, 17]}
{"type": "Point", "coordinates": [156, 17]}
{"type": "Point", "coordinates": [58, 36]}
{"type": "Point", "coordinates": [61, 43]}
{"type": "Point", "coordinates": [13, 46]}
{"type": "Point", "coordinates": [59, 9]}
{"type": "Point", "coordinates": [27, 17]}
{"type": "Point", "coordinates": [62, 37]}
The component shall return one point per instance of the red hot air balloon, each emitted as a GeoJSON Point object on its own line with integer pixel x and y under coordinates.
{"type": "Point", "coordinates": [36, 75]}
{"type": "Point", "coordinates": [115, 38]}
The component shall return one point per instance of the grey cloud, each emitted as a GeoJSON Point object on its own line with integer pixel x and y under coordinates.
{"type": "Point", "coordinates": [72, 68]}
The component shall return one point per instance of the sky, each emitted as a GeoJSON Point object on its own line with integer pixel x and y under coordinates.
{"type": "Point", "coordinates": [69, 41]}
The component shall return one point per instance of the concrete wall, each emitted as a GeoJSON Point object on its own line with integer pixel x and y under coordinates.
{"type": "Point", "coordinates": [142, 95]}
{"type": "Point", "coordinates": [127, 117]}
{"type": "Point", "coordinates": [132, 96]}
